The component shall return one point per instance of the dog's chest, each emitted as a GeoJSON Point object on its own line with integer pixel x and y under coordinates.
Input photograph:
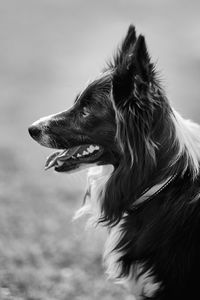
{"type": "Point", "coordinates": [137, 282]}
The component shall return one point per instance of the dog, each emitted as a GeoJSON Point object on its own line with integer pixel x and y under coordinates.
{"type": "Point", "coordinates": [144, 182]}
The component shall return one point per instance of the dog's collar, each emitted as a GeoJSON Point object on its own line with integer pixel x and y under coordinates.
{"type": "Point", "coordinates": [154, 190]}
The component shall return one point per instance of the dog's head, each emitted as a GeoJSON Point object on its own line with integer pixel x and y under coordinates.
{"type": "Point", "coordinates": [85, 133]}
{"type": "Point", "coordinates": [90, 131]}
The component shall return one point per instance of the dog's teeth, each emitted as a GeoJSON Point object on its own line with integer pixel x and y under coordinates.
{"type": "Point", "coordinates": [60, 163]}
{"type": "Point", "coordinates": [85, 153]}
{"type": "Point", "coordinates": [78, 155]}
{"type": "Point", "coordinates": [92, 148]}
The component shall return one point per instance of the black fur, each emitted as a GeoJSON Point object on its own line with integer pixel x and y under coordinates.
{"type": "Point", "coordinates": [126, 111]}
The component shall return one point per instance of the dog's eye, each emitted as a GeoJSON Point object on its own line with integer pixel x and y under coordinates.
{"type": "Point", "coordinates": [85, 112]}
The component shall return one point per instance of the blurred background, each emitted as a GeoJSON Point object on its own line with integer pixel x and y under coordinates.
{"type": "Point", "coordinates": [48, 50]}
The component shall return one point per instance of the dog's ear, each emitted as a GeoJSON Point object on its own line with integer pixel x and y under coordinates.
{"type": "Point", "coordinates": [133, 72]}
{"type": "Point", "coordinates": [123, 50]}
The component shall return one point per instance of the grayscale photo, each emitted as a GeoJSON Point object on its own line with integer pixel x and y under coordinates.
{"type": "Point", "coordinates": [99, 150]}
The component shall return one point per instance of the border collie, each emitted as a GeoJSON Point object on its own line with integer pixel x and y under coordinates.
{"type": "Point", "coordinates": [145, 187]}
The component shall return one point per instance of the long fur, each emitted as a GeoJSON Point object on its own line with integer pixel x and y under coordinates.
{"type": "Point", "coordinates": [153, 245]}
{"type": "Point", "coordinates": [171, 146]}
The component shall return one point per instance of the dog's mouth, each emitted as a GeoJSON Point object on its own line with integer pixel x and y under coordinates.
{"type": "Point", "coordinates": [71, 158]}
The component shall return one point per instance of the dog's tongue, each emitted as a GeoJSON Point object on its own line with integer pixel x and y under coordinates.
{"type": "Point", "coordinates": [54, 158]}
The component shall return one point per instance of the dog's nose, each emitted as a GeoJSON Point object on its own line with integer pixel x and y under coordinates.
{"type": "Point", "coordinates": [34, 131]}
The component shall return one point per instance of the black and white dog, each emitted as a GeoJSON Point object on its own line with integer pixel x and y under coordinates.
{"type": "Point", "coordinates": [146, 185]}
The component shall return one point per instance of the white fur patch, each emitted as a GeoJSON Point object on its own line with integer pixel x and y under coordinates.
{"type": "Point", "coordinates": [142, 285]}
{"type": "Point", "coordinates": [188, 136]}
{"type": "Point", "coordinates": [111, 256]}
{"type": "Point", "coordinates": [96, 184]}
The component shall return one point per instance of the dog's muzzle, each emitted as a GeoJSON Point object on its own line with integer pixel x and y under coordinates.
{"type": "Point", "coordinates": [39, 131]}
